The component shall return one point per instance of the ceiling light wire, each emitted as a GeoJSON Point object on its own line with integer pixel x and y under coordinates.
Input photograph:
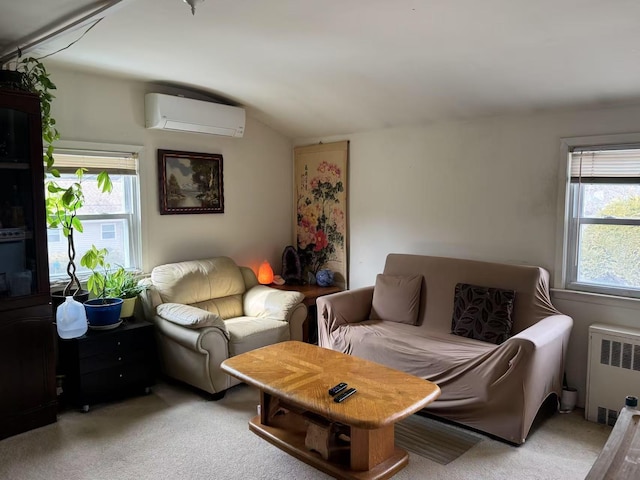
{"type": "Point", "coordinates": [74, 42]}
{"type": "Point", "coordinates": [19, 50]}
{"type": "Point", "coordinates": [67, 23]}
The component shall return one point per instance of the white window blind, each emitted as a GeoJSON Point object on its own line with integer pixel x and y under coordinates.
{"type": "Point", "coordinates": [594, 164]}
{"type": "Point", "coordinates": [116, 163]}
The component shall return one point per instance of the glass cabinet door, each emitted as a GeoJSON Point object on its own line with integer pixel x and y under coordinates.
{"type": "Point", "coordinates": [21, 205]}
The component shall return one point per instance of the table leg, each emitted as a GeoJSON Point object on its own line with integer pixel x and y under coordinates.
{"type": "Point", "coordinates": [371, 447]}
{"type": "Point", "coordinates": [268, 407]}
{"type": "Point", "coordinates": [305, 330]}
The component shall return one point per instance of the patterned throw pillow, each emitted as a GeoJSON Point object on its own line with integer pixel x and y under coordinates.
{"type": "Point", "coordinates": [482, 313]}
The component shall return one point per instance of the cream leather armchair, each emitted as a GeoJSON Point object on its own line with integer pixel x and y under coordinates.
{"type": "Point", "coordinates": [206, 311]}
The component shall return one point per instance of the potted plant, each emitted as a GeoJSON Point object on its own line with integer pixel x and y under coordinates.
{"type": "Point", "coordinates": [62, 201]}
{"type": "Point", "coordinates": [103, 312]}
{"type": "Point", "coordinates": [123, 284]}
{"type": "Point", "coordinates": [568, 397]}
{"type": "Point", "coordinates": [62, 204]}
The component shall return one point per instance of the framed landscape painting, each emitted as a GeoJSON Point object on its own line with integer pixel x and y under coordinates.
{"type": "Point", "coordinates": [190, 182]}
{"type": "Point", "coordinates": [320, 208]}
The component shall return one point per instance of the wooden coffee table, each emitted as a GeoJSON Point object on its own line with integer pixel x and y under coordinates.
{"type": "Point", "coordinates": [349, 440]}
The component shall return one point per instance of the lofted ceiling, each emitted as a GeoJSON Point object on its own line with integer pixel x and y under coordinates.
{"type": "Point", "coordinates": [322, 67]}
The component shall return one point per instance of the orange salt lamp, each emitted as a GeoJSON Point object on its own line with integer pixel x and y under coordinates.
{"type": "Point", "coordinates": [265, 273]}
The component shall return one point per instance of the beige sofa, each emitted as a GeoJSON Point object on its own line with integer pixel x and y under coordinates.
{"type": "Point", "coordinates": [206, 311]}
{"type": "Point", "coordinates": [496, 388]}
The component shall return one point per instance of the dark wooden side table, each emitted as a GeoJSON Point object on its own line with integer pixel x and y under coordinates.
{"type": "Point", "coordinates": [105, 364]}
{"type": "Point", "coordinates": [311, 293]}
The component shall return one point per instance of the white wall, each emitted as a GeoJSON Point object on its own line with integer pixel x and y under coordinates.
{"type": "Point", "coordinates": [485, 189]}
{"type": "Point", "coordinates": [256, 224]}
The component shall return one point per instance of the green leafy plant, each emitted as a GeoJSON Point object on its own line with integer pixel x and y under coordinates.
{"type": "Point", "coordinates": [62, 202]}
{"type": "Point", "coordinates": [105, 282]}
{"type": "Point", "coordinates": [95, 260]}
{"type": "Point", "coordinates": [123, 284]}
{"type": "Point", "coordinates": [34, 78]}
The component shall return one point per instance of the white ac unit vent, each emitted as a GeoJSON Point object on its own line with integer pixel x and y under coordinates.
{"type": "Point", "coordinates": [613, 371]}
{"type": "Point", "coordinates": [169, 112]}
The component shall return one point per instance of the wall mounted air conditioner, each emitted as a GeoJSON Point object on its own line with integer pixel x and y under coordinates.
{"type": "Point", "coordinates": [169, 112]}
{"type": "Point", "coordinates": [613, 371]}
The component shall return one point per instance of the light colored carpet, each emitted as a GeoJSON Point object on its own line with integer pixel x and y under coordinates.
{"type": "Point", "coordinates": [437, 441]}
{"type": "Point", "coordinates": [175, 433]}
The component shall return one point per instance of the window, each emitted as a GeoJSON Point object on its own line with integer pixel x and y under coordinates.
{"type": "Point", "coordinates": [603, 229]}
{"type": "Point", "coordinates": [54, 235]}
{"type": "Point", "coordinates": [108, 231]}
{"type": "Point", "coordinates": [110, 221]}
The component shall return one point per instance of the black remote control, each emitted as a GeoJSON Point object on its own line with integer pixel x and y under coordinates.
{"type": "Point", "coordinates": [344, 395]}
{"type": "Point", "coordinates": [337, 389]}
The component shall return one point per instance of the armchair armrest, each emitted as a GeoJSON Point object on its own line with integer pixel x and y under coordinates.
{"type": "Point", "coordinates": [264, 302]}
{"type": "Point", "coordinates": [547, 330]}
{"type": "Point", "coordinates": [350, 306]}
{"type": "Point", "coordinates": [191, 338]}
{"type": "Point", "coordinates": [542, 348]}
{"type": "Point", "coordinates": [149, 298]}
{"type": "Point", "coordinates": [541, 345]}
{"type": "Point", "coordinates": [190, 317]}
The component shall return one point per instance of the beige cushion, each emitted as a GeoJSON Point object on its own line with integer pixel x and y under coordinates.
{"type": "Point", "coordinates": [190, 317]}
{"type": "Point", "coordinates": [197, 281]}
{"type": "Point", "coordinates": [396, 298]}
{"type": "Point", "coordinates": [249, 333]}
{"type": "Point", "coordinates": [264, 302]}
{"type": "Point", "coordinates": [225, 307]}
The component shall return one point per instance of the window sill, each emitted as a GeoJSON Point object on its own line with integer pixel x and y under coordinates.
{"type": "Point", "coordinates": [596, 298]}
{"type": "Point", "coordinates": [59, 283]}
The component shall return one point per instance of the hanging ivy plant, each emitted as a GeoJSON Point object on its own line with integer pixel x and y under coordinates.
{"type": "Point", "coordinates": [32, 76]}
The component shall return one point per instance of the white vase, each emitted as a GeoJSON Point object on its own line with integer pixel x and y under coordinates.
{"type": "Point", "coordinates": [568, 399]}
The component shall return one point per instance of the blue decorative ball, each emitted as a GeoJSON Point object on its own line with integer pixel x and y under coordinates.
{"type": "Point", "coordinates": [324, 278]}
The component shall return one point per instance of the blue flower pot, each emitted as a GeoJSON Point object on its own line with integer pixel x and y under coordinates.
{"type": "Point", "coordinates": [102, 312]}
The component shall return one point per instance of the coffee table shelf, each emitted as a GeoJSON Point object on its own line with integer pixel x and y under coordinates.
{"type": "Point", "coordinates": [293, 442]}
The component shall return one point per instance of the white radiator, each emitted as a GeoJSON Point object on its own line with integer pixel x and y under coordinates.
{"type": "Point", "coordinates": [613, 371]}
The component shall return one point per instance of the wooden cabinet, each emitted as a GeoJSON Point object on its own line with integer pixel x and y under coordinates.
{"type": "Point", "coordinates": [105, 364]}
{"type": "Point", "coordinates": [27, 333]}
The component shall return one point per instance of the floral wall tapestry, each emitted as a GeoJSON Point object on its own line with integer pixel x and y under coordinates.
{"type": "Point", "coordinates": [320, 175]}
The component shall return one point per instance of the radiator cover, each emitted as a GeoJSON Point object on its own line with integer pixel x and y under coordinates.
{"type": "Point", "coordinates": [613, 371]}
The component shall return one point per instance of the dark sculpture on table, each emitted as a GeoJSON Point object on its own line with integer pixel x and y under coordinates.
{"type": "Point", "coordinates": [291, 267]}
